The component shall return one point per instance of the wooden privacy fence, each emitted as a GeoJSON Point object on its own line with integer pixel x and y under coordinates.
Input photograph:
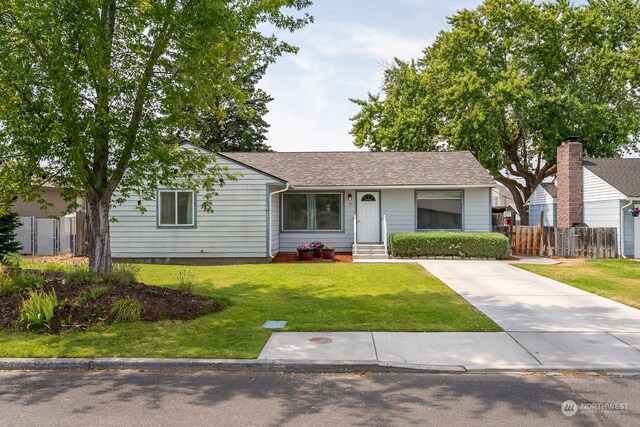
{"type": "Point", "coordinates": [582, 242]}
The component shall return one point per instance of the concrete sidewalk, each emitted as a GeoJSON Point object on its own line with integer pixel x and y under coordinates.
{"type": "Point", "coordinates": [471, 351]}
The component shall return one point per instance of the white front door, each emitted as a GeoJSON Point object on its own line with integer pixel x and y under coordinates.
{"type": "Point", "coordinates": [368, 215]}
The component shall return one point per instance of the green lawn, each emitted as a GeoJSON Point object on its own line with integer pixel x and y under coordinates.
{"type": "Point", "coordinates": [616, 279]}
{"type": "Point", "coordinates": [311, 297]}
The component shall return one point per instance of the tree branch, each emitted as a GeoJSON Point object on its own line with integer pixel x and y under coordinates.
{"type": "Point", "coordinates": [158, 49]}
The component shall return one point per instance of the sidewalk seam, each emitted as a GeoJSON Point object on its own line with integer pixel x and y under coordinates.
{"type": "Point", "coordinates": [622, 341]}
{"type": "Point", "coordinates": [524, 348]}
{"type": "Point", "coordinates": [375, 347]}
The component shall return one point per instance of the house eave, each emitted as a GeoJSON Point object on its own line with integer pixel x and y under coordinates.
{"type": "Point", "coordinates": [392, 187]}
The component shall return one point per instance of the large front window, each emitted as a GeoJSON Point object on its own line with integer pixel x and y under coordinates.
{"type": "Point", "coordinates": [312, 212]}
{"type": "Point", "coordinates": [439, 210]}
{"type": "Point", "coordinates": [176, 208]}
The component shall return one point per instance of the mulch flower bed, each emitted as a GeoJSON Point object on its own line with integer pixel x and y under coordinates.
{"type": "Point", "coordinates": [159, 304]}
{"type": "Point", "coordinates": [293, 257]}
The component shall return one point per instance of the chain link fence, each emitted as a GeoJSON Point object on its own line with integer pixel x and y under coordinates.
{"type": "Point", "coordinates": [43, 236]}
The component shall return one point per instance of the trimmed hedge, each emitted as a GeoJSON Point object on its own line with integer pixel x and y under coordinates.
{"type": "Point", "coordinates": [444, 243]}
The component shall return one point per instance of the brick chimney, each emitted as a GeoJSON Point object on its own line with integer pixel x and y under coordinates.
{"type": "Point", "coordinates": [569, 182]}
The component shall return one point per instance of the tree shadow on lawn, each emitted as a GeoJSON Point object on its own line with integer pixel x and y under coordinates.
{"type": "Point", "coordinates": [367, 400]}
{"type": "Point", "coordinates": [237, 332]}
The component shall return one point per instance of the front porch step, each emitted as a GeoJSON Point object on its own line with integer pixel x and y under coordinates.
{"type": "Point", "coordinates": [369, 251]}
{"type": "Point", "coordinates": [370, 256]}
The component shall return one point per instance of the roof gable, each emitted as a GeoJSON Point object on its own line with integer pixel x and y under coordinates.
{"type": "Point", "coordinates": [373, 169]}
{"type": "Point", "coordinates": [621, 174]}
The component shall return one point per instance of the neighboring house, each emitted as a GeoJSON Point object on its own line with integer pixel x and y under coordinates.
{"type": "Point", "coordinates": [595, 192]}
{"type": "Point", "coordinates": [51, 195]}
{"type": "Point", "coordinates": [543, 200]}
{"type": "Point", "coordinates": [284, 199]}
{"type": "Point", "coordinates": [502, 206]}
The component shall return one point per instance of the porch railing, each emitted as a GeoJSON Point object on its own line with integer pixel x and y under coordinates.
{"type": "Point", "coordinates": [355, 234]}
{"type": "Point", "coordinates": [384, 234]}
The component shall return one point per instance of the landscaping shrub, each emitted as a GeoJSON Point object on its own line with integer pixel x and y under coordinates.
{"type": "Point", "coordinates": [11, 259]}
{"type": "Point", "coordinates": [186, 281]}
{"type": "Point", "coordinates": [127, 310]}
{"type": "Point", "coordinates": [38, 309]}
{"type": "Point", "coordinates": [124, 273]}
{"type": "Point", "coordinates": [92, 294]}
{"type": "Point", "coordinates": [8, 224]}
{"type": "Point", "coordinates": [20, 283]}
{"type": "Point", "coordinates": [442, 243]}
{"type": "Point", "coordinates": [80, 275]}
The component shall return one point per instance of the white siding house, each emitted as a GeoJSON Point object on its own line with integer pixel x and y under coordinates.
{"type": "Point", "coordinates": [281, 200]}
{"type": "Point", "coordinates": [604, 206]}
{"type": "Point", "coordinates": [543, 199]}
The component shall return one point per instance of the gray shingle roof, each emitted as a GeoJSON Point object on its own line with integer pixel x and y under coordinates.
{"type": "Point", "coordinates": [551, 189]}
{"type": "Point", "coordinates": [622, 174]}
{"type": "Point", "coordinates": [379, 169]}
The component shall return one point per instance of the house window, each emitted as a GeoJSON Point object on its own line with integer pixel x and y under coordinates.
{"type": "Point", "coordinates": [312, 212]}
{"type": "Point", "coordinates": [176, 208]}
{"type": "Point", "coordinates": [439, 210]}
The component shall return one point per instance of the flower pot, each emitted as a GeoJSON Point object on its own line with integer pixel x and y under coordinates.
{"type": "Point", "coordinates": [635, 214]}
{"type": "Point", "coordinates": [329, 254]}
{"type": "Point", "coordinates": [305, 255]}
{"type": "Point", "coordinates": [317, 253]}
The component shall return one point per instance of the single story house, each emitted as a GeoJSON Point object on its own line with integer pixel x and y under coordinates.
{"type": "Point", "coordinates": [598, 192]}
{"type": "Point", "coordinates": [543, 200]}
{"type": "Point", "coordinates": [280, 200]}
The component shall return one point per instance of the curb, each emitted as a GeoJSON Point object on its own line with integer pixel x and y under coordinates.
{"type": "Point", "coordinates": [253, 365]}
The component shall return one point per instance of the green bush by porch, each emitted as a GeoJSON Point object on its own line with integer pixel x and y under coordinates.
{"type": "Point", "coordinates": [444, 243]}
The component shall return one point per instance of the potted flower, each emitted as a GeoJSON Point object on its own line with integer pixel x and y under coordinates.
{"type": "Point", "coordinates": [317, 249]}
{"type": "Point", "coordinates": [635, 211]}
{"type": "Point", "coordinates": [305, 252]}
{"type": "Point", "coordinates": [328, 253]}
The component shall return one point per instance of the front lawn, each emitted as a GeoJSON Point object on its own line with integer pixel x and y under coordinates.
{"type": "Point", "coordinates": [310, 297]}
{"type": "Point", "coordinates": [617, 279]}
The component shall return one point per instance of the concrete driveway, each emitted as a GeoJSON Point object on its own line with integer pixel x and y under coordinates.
{"type": "Point", "coordinates": [520, 301]}
{"type": "Point", "coordinates": [556, 323]}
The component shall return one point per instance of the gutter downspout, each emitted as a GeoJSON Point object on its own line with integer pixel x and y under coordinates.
{"type": "Point", "coordinates": [622, 227]}
{"type": "Point", "coordinates": [286, 187]}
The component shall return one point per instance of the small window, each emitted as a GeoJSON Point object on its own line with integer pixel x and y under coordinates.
{"type": "Point", "coordinates": [311, 212]}
{"type": "Point", "coordinates": [176, 208]}
{"type": "Point", "coordinates": [439, 210]}
{"type": "Point", "coordinates": [368, 198]}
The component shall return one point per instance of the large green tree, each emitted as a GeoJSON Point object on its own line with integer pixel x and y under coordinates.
{"type": "Point", "coordinates": [239, 126]}
{"type": "Point", "coordinates": [508, 81]}
{"type": "Point", "coordinates": [95, 95]}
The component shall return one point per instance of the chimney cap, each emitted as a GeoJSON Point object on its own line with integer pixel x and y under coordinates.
{"type": "Point", "coordinates": [572, 138]}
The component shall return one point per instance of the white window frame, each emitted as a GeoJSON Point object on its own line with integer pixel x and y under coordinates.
{"type": "Point", "coordinates": [192, 224]}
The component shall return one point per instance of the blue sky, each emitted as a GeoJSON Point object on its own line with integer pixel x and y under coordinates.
{"type": "Point", "coordinates": [342, 56]}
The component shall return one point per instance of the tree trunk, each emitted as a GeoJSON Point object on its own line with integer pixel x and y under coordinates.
{"type": "Point", "coordinates": [98, 233]}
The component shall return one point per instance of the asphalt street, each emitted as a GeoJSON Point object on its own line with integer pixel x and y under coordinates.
{"type": "Point", "coordinates": [111, 398]}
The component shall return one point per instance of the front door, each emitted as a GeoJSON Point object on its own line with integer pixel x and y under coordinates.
{"type": "Point", "coordinates": [368, 214]}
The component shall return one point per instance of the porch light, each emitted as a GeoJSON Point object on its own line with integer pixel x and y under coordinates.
{"type": "Point", "coordinates": [349, 197]}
